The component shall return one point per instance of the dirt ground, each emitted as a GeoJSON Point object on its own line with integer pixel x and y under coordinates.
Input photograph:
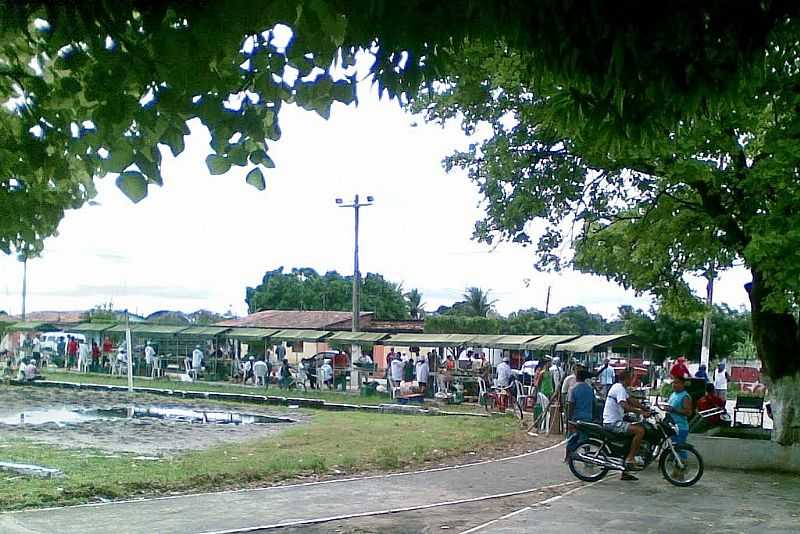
{"type": "Point", "coordinates": [145, 436]}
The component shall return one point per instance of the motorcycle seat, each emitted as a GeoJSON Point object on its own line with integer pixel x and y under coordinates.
{"type": "Point", "coordinates": [588, 426]}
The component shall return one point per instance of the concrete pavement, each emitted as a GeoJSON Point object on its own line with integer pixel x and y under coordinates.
{"type": "Point", "coordinates": [285, 505]}
{"type": "Point", "coordinates": [723, 501]}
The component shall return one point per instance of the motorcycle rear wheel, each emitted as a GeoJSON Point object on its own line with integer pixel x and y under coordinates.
{"type": "Point", "coordinates": [586, 471]}
{"type": "Point", "coordinates": [693, 466]}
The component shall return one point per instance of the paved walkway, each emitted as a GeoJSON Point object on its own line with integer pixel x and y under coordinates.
{"type": "Point", "coordinates": [214, 512]}
{"type": "Point", "coordinates": [723, 501]}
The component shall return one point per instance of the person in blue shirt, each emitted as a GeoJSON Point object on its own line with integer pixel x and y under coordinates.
{"type": "Point", "coordinates": [679, 406]}
{"type": "Point", "coordinates": [580, 407]}
{"type": "Point", "coordinates": [701, 373]}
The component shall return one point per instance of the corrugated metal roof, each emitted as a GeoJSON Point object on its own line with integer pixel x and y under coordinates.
{"type": "Point", "coordinates": [300, 335]}
{"type": "Point", "coordinates": [31, 326]}
{"type": "Point", "coordinates": [514, 342]}
{"type": "Point", "coordinates": [357, 337]}
{"type": "Point", "coordinates": [547, 342]}
{"type": "Point", "coordinates": [91, 327]}
{"type": "Point", "coordinates": [154, 329]}
{"type": "Point", "coordinates": [250, 334]}
{"type": "Point", "coordinates": [588, 343]}
{"type": "Point", "coordinates": [296, 319]}
{"type": "Point", "coordinates": [203, 331]}
{"type": "Point", "coordinates": [429, 340]}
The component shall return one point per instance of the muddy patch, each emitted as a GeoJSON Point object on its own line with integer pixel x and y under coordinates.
{"type": "Point", "coordinates": [144, 424]}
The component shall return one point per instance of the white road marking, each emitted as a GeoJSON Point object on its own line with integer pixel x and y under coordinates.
{"type": "Point", "coordinates": [306, 522]}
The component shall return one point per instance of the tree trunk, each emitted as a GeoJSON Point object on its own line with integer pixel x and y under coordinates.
{"type": "Point", "coordinates": [775, 336]}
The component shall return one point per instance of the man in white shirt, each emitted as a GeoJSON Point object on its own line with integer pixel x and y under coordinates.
{"type": "Point", "coordinates": [30, 371]}
{"type": "Point", "coordinates": [84, 356]}
{"type": "Point", "coordinates": [422, 374]}
{"type": "Point", "coordinates": [555, 372]}
{"type": "Point", "coordinates": [721, 378]}
{"type": "Point", "coordinates": [617, 403]}
{"type": "Point", "coordinates": [606, 376]}
{"type": "Point", "coordinates": [260, 372]}
{"type": "Point", "coordinates": [150, 359]}
{"type": "Point", "coordinates": [197, 360]}
{"type": "Point", "coordinates": [397, 370]}
{"type": "Point", "coordinates": [326, 373]}
{"type": "Point", "coordinates": [504, 374]}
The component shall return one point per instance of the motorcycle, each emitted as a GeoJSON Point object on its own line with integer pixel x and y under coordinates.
{"type": "Point", "coordinates": [601, 451]}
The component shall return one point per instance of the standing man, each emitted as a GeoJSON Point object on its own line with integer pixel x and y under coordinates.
{"type": "Point", "coordinates": [95, 356]}
{"type": "Point", "coordinates": [84, 356]}
{"type": "Point", "coordinates": [606, 376]}
{"type": "Point", "coordinates": [107, 348]}
{"type": "Point", "coordinates": [197, 361]}
{"type": "Point", "coordinates": [721, 378]}
{"type": "Point", "coordinates": [280, 352]}
{"type": "Point", "coordinates": [580, 405]}
{"type": "Point", "coordinates": [72, 352]}
{"type": "Point", "coordinates": [150, 359]}
{"type": "Point", "coordinates": [679, 370]}
{"type": "Point", "coordinates": [555, 372]}
{"type": "Point", "coordinates": [397, 370]}
{"type": "Point", "coordinates": [37, 349]}
{"type": "Point", "coordinates": [422, 375]}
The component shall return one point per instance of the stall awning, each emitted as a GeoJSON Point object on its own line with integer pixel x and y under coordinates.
{"type": "Point", "coordinates": [429, 340]}
{"type": "Point", "coordinates": [204, 331]}
{"type": "Point", "coordinates": [300, 335]}
{"type": "Point", "coordinates": [510, 342]}
{"type": "Point", "coordinates": [250, 334]}
{"type": "Point", "coordinates": [367, 338]}
{"type": "Point", "coordinates": [91, 327]}
{"type": "Point", "coordinates": [151, 329]}
{"type": "Point", "coordinates": [588, 343]}
{"type": "Point", "coordinates": [31, 326]}
{"type": "Point", "coordinates": [547, 342]}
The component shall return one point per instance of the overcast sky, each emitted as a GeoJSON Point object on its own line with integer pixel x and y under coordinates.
{"type": "Point", "coordinates": [198, 241]}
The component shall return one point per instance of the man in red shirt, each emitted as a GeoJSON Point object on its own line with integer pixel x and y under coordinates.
{"type": "Point", "coordinates": [72, 352]}
{"type": "Point", "coordinates": [710, 401]}
{"type": "Point", "coordinates": [679, 369]}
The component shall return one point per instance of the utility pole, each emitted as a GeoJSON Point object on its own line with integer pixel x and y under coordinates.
{"type": "Point", "coordinates": [705, 351]}
{"type": "Point", "coordinates": [129, 350]}
{"type": "Point", "coordinates": [547, 302]}
{"type": "Point", "coordinates": [24, 282]}
{"type": "Point", "coordinates": [356, 205]}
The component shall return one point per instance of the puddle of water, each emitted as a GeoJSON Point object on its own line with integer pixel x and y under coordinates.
{"type": "Point", "coordinates": [65, 416]}
{"type": "Point", "coordinates": [62, 416]}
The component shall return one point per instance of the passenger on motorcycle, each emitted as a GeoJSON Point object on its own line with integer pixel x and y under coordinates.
{"type": "Point", "coordinates": [617, 403]}
{"type": "Point", "coordinates": [679, 407]}
{"type": "Point", "coordinates": [580, 405]}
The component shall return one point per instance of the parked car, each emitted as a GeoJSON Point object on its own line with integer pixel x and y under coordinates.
{"type": "Point", "coordinates": [50, 340]}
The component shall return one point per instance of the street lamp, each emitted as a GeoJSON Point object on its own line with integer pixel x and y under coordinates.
{"type": "Point", "coordinates": [356, 205]}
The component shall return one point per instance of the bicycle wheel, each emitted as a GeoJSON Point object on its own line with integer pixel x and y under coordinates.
{"type": "Point", "coordinates": [584, 470]}
{"type": "Point", "coordinates": [677, 475]}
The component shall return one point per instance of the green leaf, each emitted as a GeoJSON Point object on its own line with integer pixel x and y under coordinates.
{"type": "Point", "coordinates": [256, 179]}
{"type": "Point", "coordinates": [217, 164]}
{"type": "Point", "coordinates": [260, 157]}
{"type": "Point", "coordinates": [133, 184]}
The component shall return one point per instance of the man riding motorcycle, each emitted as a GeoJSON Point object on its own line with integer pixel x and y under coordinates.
{"type": "Point", "coordinates": [618, 402]}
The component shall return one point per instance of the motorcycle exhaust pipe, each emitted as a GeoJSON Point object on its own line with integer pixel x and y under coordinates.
{"type": "Point", "coordinates": [600, 463]}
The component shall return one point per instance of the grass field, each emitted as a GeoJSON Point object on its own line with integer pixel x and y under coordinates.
{"type": "Point", "coordinates": [333, 443]}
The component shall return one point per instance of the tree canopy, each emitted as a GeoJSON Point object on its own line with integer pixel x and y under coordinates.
{"type": "Point", "coordinates": [715, 190]}
{"type": "Point", "coordinates": [305, 289]}
{"type": "Point", "coordinates": [98, 87]}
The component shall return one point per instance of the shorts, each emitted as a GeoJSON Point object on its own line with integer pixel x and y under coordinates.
{"type": "Point", "coordinates": [620, 427]}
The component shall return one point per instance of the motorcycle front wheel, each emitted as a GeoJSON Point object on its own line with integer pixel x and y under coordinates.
{"type": "Point", "coordinates": [588, 472]}
{"type": "Point", "coordinates": [692, 469]}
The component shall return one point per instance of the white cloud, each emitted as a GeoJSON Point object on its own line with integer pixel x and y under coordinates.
{"type": "Point", "coordinates": [201, 239]}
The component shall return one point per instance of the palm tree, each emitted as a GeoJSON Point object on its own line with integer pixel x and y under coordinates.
{"type": "Point", "coordinates": [477, 301]}
{"type": "Point", "coordinates": [415, 304]}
